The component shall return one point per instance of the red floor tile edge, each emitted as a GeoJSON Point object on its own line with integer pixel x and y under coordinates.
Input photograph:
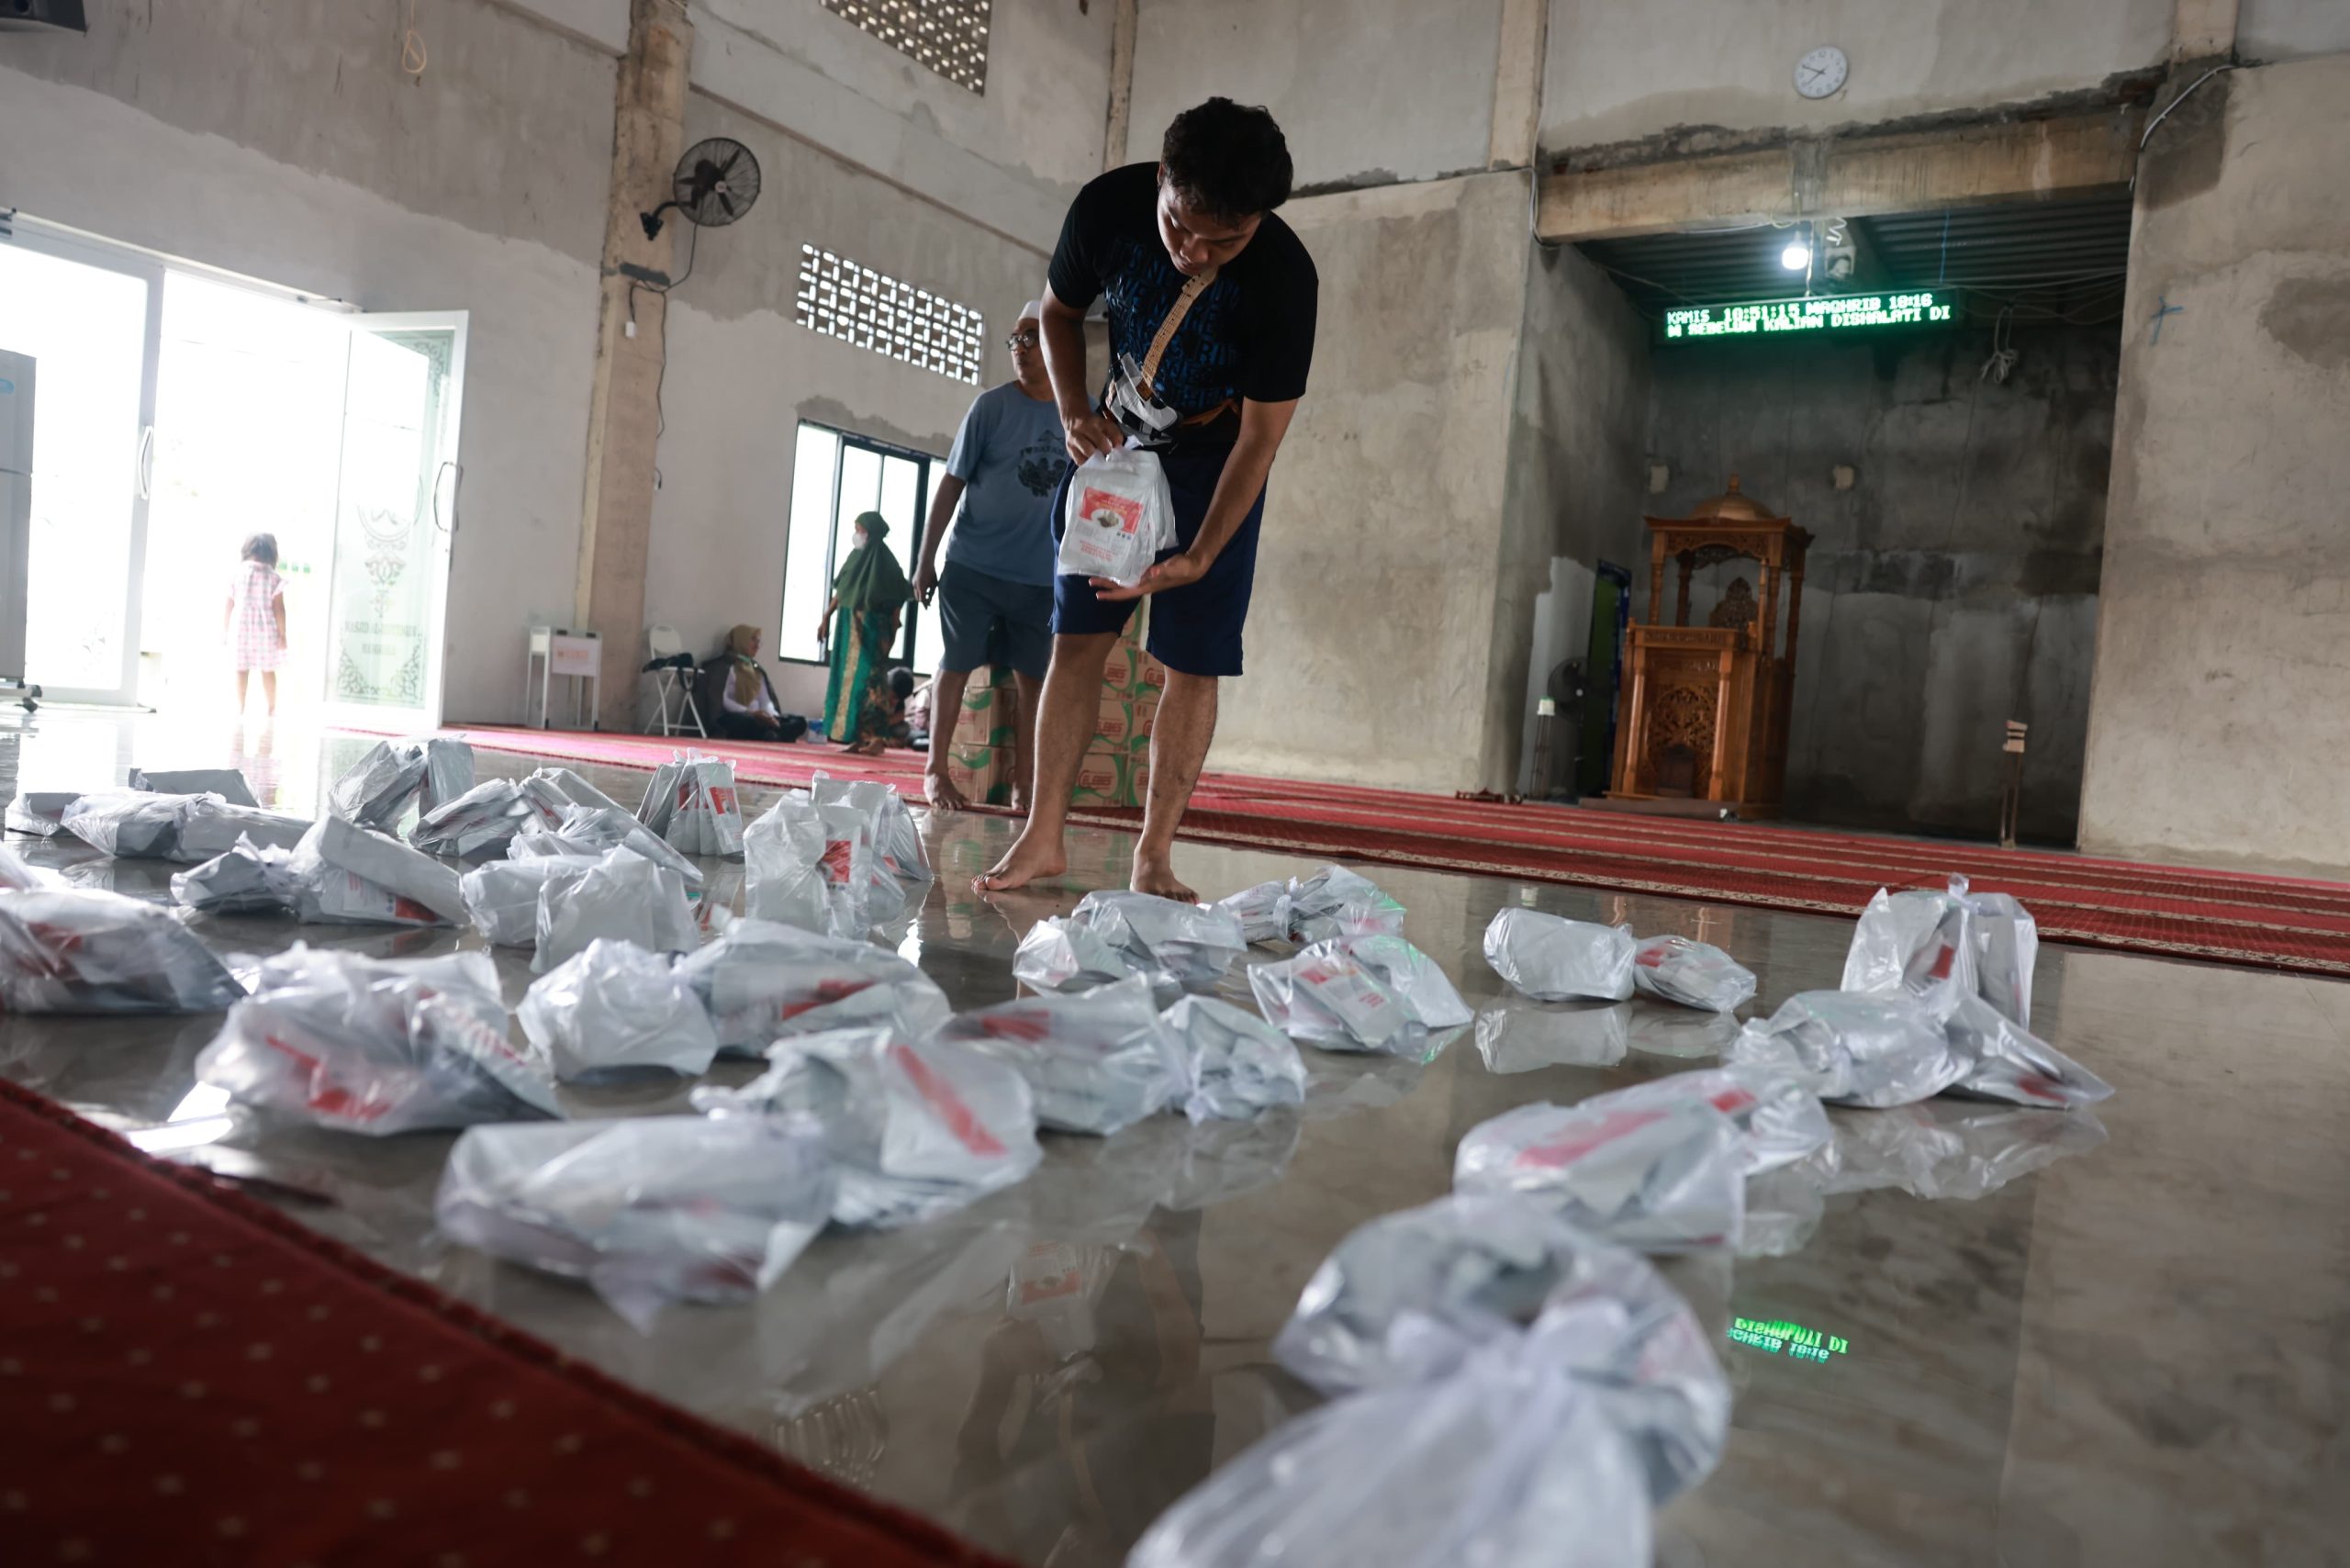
{"type": "Point", "coordinates": [188, 1375]}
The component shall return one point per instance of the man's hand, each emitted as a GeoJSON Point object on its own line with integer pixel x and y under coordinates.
{"type": "Point", "coordinates": [925, 581]}
{"type": "Point", "coordinates": [1176, 571]}
{"type": "Point", "coordinates": [1089, 434]}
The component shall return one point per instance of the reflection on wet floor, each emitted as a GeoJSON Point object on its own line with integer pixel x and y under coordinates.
{"type": "Point", "coordinates": [1989, 1336]}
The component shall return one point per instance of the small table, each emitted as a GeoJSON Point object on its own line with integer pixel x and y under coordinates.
{"type": "Point", "coordinates": [577, 657]}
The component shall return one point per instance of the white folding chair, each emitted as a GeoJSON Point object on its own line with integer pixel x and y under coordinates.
{"type": "Point", "coordinates": [674, 685]}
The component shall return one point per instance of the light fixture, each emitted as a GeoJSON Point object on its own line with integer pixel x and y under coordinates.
{"type": "Point", "coordinates": [1796, 256]}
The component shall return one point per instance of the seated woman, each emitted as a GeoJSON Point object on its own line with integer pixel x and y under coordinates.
{"type": "Point", "coordinates": [737, 699]}
{"type": "Point", "coordinates": [881, 722]}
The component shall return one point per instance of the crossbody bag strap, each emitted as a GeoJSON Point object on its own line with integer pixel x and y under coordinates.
{"type": "Point", "coordinates": [1193, 288]}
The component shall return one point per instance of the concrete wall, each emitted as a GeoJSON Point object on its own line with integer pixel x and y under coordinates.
{"type": "Point", "coordinates": [1369, 92]}
{"type": "Point", "coordinates": [285, 142]}
{"type": "Point", "coordinates": [2219, 723]}
{"type": "Point", "coordinates": [1620, 72]}
{"type": "Point", "coordinates": [1370, 649]}
{"type": "Point", "coordinates": [2289, 30]}
{"type": "Point", "coordinates": [1952, 588]}
{"type": "Point", "coordinates": [743, 372]}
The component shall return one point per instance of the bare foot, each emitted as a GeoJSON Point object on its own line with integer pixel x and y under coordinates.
{"type": "Point", "coordinates": [1024, 864]}
{"type": "Point", "coordinates": [1154, 875]}
{"type": "Point", "coordinates": [941, 791]}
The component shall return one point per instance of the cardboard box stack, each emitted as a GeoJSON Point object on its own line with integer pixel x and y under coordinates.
{"type": "Point", "coordinates": [980, 759]}
{"type": "Point", "coordinates": [1116, 768]}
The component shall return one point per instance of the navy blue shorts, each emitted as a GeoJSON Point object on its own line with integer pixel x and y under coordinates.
{"type": "Point", "coordinates": [1196, 628]}
{"type": "Point", "coordinates": [987, 619]}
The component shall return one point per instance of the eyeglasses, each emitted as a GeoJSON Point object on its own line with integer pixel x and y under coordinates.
{"type": "Point", "coordinates": [1021, 341]}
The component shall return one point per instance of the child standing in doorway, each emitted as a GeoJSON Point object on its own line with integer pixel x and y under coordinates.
{"type": "Point", "coordinates": [254, 620]}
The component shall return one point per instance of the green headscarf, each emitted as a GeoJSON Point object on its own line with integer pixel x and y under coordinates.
{"type": "Point", "coordinates": [870, 580]}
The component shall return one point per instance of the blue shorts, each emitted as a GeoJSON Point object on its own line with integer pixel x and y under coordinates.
{"type": "Point", "coordinates": [1194, 629]}
{"type": "Point", "coordinates": [987, 619]}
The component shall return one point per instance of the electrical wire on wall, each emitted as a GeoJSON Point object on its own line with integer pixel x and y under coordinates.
{"type": "Point", "coordinates": [412, 55]}
{"type": "Point", "coordinates": [661, 377]}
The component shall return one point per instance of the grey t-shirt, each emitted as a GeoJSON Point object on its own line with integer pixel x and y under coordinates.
{"type": "Point", "coordinates": [1010, 457]}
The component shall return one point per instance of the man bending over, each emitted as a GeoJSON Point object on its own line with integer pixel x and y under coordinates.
{"type": "Point", "coordinates": [1211, 301]}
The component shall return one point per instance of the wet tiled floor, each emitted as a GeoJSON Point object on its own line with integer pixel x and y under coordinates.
{"type": "Point", "coordinates": [2136, 1350]}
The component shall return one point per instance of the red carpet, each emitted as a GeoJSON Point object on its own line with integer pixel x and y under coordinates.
{"type": "Point", "coordinates": [187, 1376]}
{"type": "Point", "coordinates": [2232, 917]}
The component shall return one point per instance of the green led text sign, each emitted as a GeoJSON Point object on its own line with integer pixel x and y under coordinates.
{"type": "Point", "coordinates": [1838, 316]}
{"type": "Point", "coordinates": [1790, 1339]}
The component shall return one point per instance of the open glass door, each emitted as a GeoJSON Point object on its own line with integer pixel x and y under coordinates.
{"type": "Point", "coordinates": [396, 516]}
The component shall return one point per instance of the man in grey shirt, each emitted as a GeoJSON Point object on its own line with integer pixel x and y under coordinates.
{"type": "Point", "coordinates": [995, 596]}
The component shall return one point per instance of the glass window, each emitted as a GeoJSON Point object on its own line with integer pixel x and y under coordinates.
{"type": "Point", "coordinates": [836, 477]}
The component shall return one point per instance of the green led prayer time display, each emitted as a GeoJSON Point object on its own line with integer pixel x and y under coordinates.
{"type": "Point", "coordinates": [1837, 314]}
{"type": "Point", "coordinates": [1792, 1340]}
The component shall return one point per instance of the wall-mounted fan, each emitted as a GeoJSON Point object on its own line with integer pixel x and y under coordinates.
{"type": "Point", "coordinates": [715, 183]}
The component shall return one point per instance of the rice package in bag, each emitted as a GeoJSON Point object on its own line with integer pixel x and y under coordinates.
{"type": "Point", "coordinates": [761, 981]}
{"type": "Point", "coordinates": [1096, 1061]}
{"type": "Point", "coordinates": [376, 1045]}
{"type": "Point", "coordinates": [1507, 1461]}
{"type": "Point", "coordinates": [1334, 901]}
{"type": "Point", "coordinates": [98, 952]}
{"type": "Point", "coordinates": [807, 868]}
{"type": "Point", "coordinates": [502, 896]}
{"type": "Point", "coordinates": [1411, 1294]}
{"type": "Point", "coordinates": [133, 825]}
{"type": "Point", "coordinates": [614, 1006]}
{"type": "Point", "coordinates": [1263, 912]}
{"type": "Point", "coordinates": [377, 788]}
{"type": "Point", "coordinates": [647, 1210]}
{"type": "Point", "coordinates": [896, 842]}
{"type": "Point", "coordinates": [1659, 1179]}
{"type": "Point", "coordinates": [227, 783]}
{"type": "Point", "coordinates": [1058, 954]}
{"type": "Point", "coordinates": [210, 827]}
{"type": "Point", "coordinates": [915, 1127]}
{"type": "Point", "coordinates": [348, 873]}
{"type": "Point", "coordinates": [486, 817]}
{"type": "Point", "coordinates": [1118, 516]}
{"type": "Point", "coordinates": [705, 818]}
{"type": "Point", "coordinates": [576, 789]}
{"type": "Point", "coordinates": [1938, 946]}
{"type": "Point", "coordinates": [40, 812]}
{"type": "Point", "coordinates": [244, 880]}
{"type": "Point", "coordinates": [1361, 993]}
{"type": "Point", "coordinates": [2007, 1061]}
{"type": "Point", "coordinates": [594, 831]}
{"type": "Point", "coordinates": [623, 897]}
{"type": "Point", "coordinates": [1779, 1121]}
{"type": "Point", "coordinates": [1551, 958]}
{"type": "Point", "coordinates": [1186, 945]}
{"type": "Point", "coordinates": [1877, 1051]}
{"type": "Point", "coordinates": [1695, 974]}
{"type": "Point", "coordinates": [1234, 1063]}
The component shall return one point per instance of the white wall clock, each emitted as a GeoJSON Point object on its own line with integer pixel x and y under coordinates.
{"type": "Point", "coordinates": [1822, 72]}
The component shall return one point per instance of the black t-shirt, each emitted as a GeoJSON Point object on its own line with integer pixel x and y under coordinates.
{"type": "Point", "coordinates": [1250, 335]}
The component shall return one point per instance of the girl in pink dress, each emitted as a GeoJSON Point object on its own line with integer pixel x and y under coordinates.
{"type": "Point", "coordinates": [255, 619]}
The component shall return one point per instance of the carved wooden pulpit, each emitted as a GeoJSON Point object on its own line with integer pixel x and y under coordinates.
{"type": "Point", "coordinates": [1705, 718]}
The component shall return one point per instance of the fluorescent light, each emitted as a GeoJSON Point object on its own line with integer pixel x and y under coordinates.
{"type": "Point", "coordinates": [1796, 256]}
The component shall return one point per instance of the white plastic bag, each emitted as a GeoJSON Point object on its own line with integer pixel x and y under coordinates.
{"type": "Point", "coordinates": [483, 819]}
{"type": "Point", "coordinates": [1509, 1461]}
{"type": "Point", "coordinates": [1096, 1062]}
{"type": "Point", "coordinates": [1118, 516]}
{"type": "Point", "coordinates": [1940, 946]}
{"type": "Point", "coordinates": [1877, 1051]}
{"type": "Point", "coordinates": [243, 880]}
{"type": "Point", "coordinates": [1410, 1295]}
{"type": "Point", "coordinates": [762, 982]}
{"type": "Point", "coordinates": [705, 814]}
{"type": "Point", "coordinates": [1695, 974]}
{"type": "Point", "coordinates": [502, 896]}
{"type": "Point", "coordinates": [897, 841]}
{"type": "Point", "coordinates": [377, 789]}
{"type": "Point", "coordinates": [1263, 912]}
{"type": "Point", "coordinates": [1779, 1121]}
{"type": "Point", "coordinates": [624, 897]}
{"type": "Point", "coordinates": [805, 868]}
{"type": "Point", "coordinates": [39, 812]}
{"type": "Point", "coordinates": [225, 782]}
{"type": "Point", "coordinates": [1661, 1179]}
{"type": "Point", "coordinates": [614, 1006]}
{"type": "Point", "coordinates": [916, 1128]}
{"type": "Point", "coordinates": [1551, 958]}
{"type": "Point", "coordinates": [595, 830]}
{"type": "Point", "coordinates": [1362, 994]}
{"type": "Point", "coordinates": [131, 825]}
{"type": "Point", "coordinates": [1517, 1035]}
{"type": "Point", "coordinates": [1234, 1063]}
{"type": "Point", "coordinates": [95, 952]}
{"type": "Point", "coordinates": [1334, 901]}
{"type": "Point", "coordinates": [347, 873]}
{"type": "Point", "coordinates": [376, 1045]}
{"type": "Point", "coordinates": [1058, 954]}
{"type": "Point", "coordinates": [646, 1209]}
{"type": "Point", "coordinates": [2007, 1061]}
{"type": "Point", "coordinates": [1179, 945]}
{"type": "Point", "coordinates": [576, 789]}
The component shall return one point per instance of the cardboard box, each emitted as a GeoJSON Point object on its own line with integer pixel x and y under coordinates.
{"type": "Point", "coordinates": [1120, 727]}
{"type": "Point", "coordinates": [1118, 674]}
{"type": "Point", "coordinates": [982, 773]}
{"type": "Point", "coordinates": [991, 715]}
{"type": "Point", "coordinates": [1111, 778]}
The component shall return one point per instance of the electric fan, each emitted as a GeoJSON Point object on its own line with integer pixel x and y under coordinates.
{"type": "Point", "coordinates": [715, 183]}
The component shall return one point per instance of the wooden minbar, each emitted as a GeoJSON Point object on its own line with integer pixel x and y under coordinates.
{"type": "Point", "coordinates": [1705, 712]}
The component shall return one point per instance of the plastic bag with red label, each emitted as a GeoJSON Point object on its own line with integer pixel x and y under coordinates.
{"type": "Point", "coordinates": [623, 897]}
{"type": "Point", "coordinates": [809, 866]}
{"type": "Point", "coordinates": [648, 1210]}
{"type": "Point", "coordinates": [244, 880]}
{"type": "Point", "coordinates": [1118, 516]}
{"type": "Point", "coordinates": [376, 1045]}
{"type": "Point", "coordinates": [614, 1006]}
{"type": "Point", "coordinates": [916, 1128]}
{"type": "Point", "coordinates": [763, 981]}
{"type": "Point", "coordinates": [1263, 912]}
{"type": "Point", "coordinates": [1940, 946]}
{"type": "Point", "coordinates": [896, 842]}
{"type": "Point", "coordinates": [348, 873]}
{"type": "Point", "coordinates": [1235, 1064]}
{"type": "Point", "coordinates": [1096, 1062]}
{"type": "Point", "coordinates": [594, 831]}
{"type": "Point", "coordinates": [1179, 945]}
{"type": "Point", "coordinates": [1335, 902]}
{"type": "Point", "coordinates": [1695, 974]}
{"type": "Point", "coordinates": [1362, 994]}
{"type": "Point", "coordinates": [96, 952]}
{"type": "Point", "coordinates": [1876, 1051]}
{"type": "Point", "coordinates": [1551, 958]}
{"type": "Point", "coordinates": [377, 789]}
{"type": "Point", "coordinates": [502, 896]}
{"type": "Point", "coordinates": [1411, 1294]}
{"type": "Point", "coordinates": [706, 816]}
{"type": "Point", "coordinates": [1778, 1120]}
{"type": "Point", "coordinates": [1661, 1178]}
{"type": "Point", "coordinates": [484, 818]}
{"type": "Point", "coordinates": [2007, 1061]}
{"type": "Point", "coordinates": [1058, 954]}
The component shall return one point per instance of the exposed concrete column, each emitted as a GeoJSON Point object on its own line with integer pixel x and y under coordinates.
{"type": "Point", "coordinates": [2203, 29]}
{"type": "Point", "coordinates": [623, 416]}
{"type": "Point", "coordinates": [1517, 85]}
{"type": "Point", "coordinates": [1122, 86]}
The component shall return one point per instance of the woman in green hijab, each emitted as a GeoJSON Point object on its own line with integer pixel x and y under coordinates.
{"type": "Point", "coordinates": [869, 596]}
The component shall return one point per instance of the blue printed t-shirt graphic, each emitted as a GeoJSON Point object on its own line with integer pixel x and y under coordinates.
{"type": "Point", "coordinates": [1248, 336]}
{"type": "Point", "coordinates": [1010, 455]}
